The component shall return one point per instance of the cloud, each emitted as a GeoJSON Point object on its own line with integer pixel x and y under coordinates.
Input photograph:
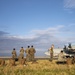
{"type": "Point", "coordinates": [3, 33]}
{"type": "Point", "coordinates": [69, 3]}
{"type": "Point", "coordinates": [41, 39]}
{"type": "Point", "coordinates": [51, 30]}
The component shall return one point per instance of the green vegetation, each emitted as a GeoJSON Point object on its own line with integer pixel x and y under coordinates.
{"type": "Point", "coordinates": [43, 67]}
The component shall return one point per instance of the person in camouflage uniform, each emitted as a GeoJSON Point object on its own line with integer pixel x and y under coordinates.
{"type": "Point", "coordinates": [32, 51]}
{"type": "Point", "coordinates": [27, 53]}
{"type": "Point", "coordinates": [51, 52]}
{"type": "Point", "coordinates": [14, 55]}
{"type": "Point", "coordinates": [21, 53]}
{"type": "Point", "coordinates": [61, 56]}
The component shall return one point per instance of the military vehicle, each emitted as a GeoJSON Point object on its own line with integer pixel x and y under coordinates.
{"type": "Point", "coordinates": [70, 51]}
{"type": "Point", "coordinates": [56, 52]}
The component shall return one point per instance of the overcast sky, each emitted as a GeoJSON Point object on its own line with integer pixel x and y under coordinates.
{"type": "Point", "coordinates": [36, 22]}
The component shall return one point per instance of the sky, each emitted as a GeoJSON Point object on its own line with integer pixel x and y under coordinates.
{"type": "Point", "coordinates": [36, 22]}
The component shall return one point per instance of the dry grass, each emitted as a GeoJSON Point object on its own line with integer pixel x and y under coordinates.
{"type": "Point", "coordinates": [43, 67]}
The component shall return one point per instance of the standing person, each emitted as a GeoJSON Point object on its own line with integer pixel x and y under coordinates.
{"type": "Point", "coordinates": [14, 55]}
{"type": "Point", "coordinates": [27, 53]}
{"type": "Point", "coordinates": [22, 52]}
{"type": "Point", "coordinates": [32, 51]}
{"type": "Point", "coordinates": [51, 52]}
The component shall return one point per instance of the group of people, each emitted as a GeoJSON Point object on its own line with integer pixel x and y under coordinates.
{"type": "Point", "coordinates": [61, 57]}
{"type": "Point", "coordinates": [30, 52]}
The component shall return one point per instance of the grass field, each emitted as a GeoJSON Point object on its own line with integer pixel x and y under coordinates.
{"type": "Point", "coordinates": [42, 67]}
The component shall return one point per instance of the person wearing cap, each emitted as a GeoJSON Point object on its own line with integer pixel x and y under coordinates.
{"type": "Point", "coordinates": [32, 51]}
{"type": "Point", "coordinates": [22, 52]}
{"type": "Point", "coordinates": [14, 55]}
{"type": "Point", "coordinates": [27, 53]}
{"type": "Point", "coordinates": [61, 56]}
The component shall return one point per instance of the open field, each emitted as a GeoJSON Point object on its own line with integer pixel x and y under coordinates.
{"type": "Point", "coordinates": [42, 67]}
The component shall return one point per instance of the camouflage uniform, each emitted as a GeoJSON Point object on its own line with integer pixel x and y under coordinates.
{"type": "Point", "coordinates": [31, 52]}
{"type": "Point", "coordinates": [21, 53]}
{"type": "Point", "coordinates": [61, 57]}
{"type": "Point", "coordinates": [14, 55]}
{"type": "Point", "coordinates": [51, 53]}
{"type": "Point", "coordinates": [27, 54]}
